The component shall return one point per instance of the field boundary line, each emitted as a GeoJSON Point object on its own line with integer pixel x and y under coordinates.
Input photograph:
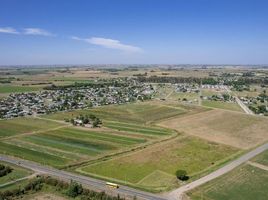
{"type": "Point", "coordinates": [33, 133]}
{"type": "Point", "coordinates": [154, 172]}
{"type": "Point", "coordinates": [258, 165]}
{"type": "Point", "coordinates": [18, 180]}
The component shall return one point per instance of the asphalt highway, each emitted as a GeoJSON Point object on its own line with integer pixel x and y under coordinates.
{"type": "Point", "coordinates": [123, 191]}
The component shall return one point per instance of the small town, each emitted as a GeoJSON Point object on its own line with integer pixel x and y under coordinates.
{"type": "Point", "coordinates": [49, 101]}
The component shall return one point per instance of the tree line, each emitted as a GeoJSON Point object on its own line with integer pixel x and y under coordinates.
{"type": "Point", "coordinates": [71, 189]}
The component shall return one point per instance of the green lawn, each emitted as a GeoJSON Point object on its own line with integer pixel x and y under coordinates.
{"type": "Point", "coordinates": [245, 183]}
{"type": "Point", "coordinates": [191, 154]}
{"type": "Point", "coordinates": [24, 125]}
{"type": "Point", "coordinates": [222, 105]}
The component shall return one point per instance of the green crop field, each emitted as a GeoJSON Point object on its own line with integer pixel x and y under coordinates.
{"type": "Point", "coordinates": [222, 105]}
{"type": "Point", "coordinates": [24, 125]}
{"type": "Point", "coordinates": [32, 154]}
{"type": "Point", "coordinates": [67, 145]}
{"type": "Point", "coordinates": [138, 113]}
{"type": "Point", "coordinates": [262, 158]}
{"type": "Point", "coordinates": [14, 88]}
{"type": "Point", "coordinates": [17, 173]}
{"type": "Point", "coordinates": [191, 154]}
{"type": "Point", "coordinates": [246, 182]}
{"type": "Point", "coordinates": [133, 128]}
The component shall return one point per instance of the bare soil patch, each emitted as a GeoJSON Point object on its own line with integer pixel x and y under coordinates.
{"type": "Point", "coordinates": [231, 128]}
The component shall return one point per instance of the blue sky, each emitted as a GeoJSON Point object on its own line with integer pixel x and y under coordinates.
{"type": "Point", "coordinates": [133, 31]}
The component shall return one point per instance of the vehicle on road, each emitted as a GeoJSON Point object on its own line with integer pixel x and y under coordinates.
{"type": "Point", "coordinates": [112, 185]}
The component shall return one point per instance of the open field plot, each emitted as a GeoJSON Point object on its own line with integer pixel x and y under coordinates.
{"type": "Point", "coordinates": [17, 173]}
{"type": "Point", "coordinates": [262, 158]}
{"type": "Point", "coordinates": [186, 96]}
{"type": "Point", "coordinates": [231, 128]}
{"type": "Point", "coordinates": [138, 113]}
{"type": "Point", "coordinates": [222, 105]}
{"type": "Point", "coordinates": [65, 146]}
{"type": "Point", "coordinates": [15, 88]}
{"type": "Point", "coordinates": [245, 182]}
{"type": "Point", "coordinates": [160, 162]}
{"type": "Point", "coordinates": [24, 125]}
{"type": "Point", "coordinates": [138, 129]}
{"type": "Point", "coordinates": [210, 92]}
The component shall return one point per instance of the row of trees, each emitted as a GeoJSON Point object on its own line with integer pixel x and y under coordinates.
{"type": "Point", "coordinates": [79, 85]}
{"type": "Point", "coordinates": [72, 189]}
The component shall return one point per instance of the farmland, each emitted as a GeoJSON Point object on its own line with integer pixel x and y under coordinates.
{"type": "Point", "coordinates": [246, 182]}
{"type": "Point", "coordinates": [222, 105]}
{"type": "Point", "coordinates": [67, 145]}
{"type": "Point", "coordinates": [24, 125]}
{"type": "Point", "coordinates": [55, 143]}
{"type": "Point", "coordinates": [162, 160]}
{"type": "Point", "coordinates": [15, 88]}
{"type": "Point", "coordinates": [136, 113]}
{"type": "Point", "coordinates": [223, 127]}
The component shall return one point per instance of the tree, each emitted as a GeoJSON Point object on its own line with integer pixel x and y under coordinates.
{"type": "Point", "coordinates": [182, 175]}
{"type": "Point", "coordinates": [74, 189]}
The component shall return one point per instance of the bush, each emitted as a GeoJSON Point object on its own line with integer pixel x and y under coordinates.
{"type": "Point", "coordinates": [182, 175]}
{"type": "Point", "coordinates": [74, 189]}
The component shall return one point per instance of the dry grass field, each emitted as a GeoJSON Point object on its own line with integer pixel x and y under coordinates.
{"type": "Point", "coordinates": [44, 196]}
{"type": "Point", "coordinates": [154, 167]}
{"type": "Point", "coordinates": [231, 128]}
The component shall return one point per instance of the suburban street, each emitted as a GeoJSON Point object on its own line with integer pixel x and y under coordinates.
{"type": "Point", "coordinates": [177, 194]}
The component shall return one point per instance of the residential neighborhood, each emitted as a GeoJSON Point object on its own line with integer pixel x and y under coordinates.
{"type": "Point", "coordinates": [48, 101]}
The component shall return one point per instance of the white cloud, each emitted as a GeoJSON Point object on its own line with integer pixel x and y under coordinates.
{"type": "Point", "coordinates": [8, 30]}
{"type": "Point", "coordinates": [37, 31]}
{"type": "Point", "coordinates": [109, 43]}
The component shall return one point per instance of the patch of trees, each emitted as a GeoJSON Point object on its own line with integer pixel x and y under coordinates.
{"type": "Point", "coordinates": [86, 119]}
{"type": "Point", "coordinates": [182, 175]}
{"type": "Point", "coordinates": [4, 170]}
{"type": "Point", "coordinates": [72, 189]}
{"type": "Point", "coordinates": [247, 81]}
{"type": "Point", "coordinates": [6, 80]}
{"type": "Point", "coordinates": [78, 85]}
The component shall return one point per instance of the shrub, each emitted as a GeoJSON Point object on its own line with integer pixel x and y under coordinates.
{"type": "Point", "coordinates": [182, 175]}
{"type": "Point", "coordinates": [74, 189]}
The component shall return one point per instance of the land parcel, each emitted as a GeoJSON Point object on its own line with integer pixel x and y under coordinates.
{"type": "Point", "coordinates": [245, 182]}
{"type": "Point", "coordinates": [231, 128]}
{"type": "Point", "coordinates": [154, 167]}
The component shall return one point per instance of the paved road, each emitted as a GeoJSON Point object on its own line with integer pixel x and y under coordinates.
{"type": "Point", "coordinates": [178, 193]}
{"type": "Point", "coordinates": [90, 182]}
